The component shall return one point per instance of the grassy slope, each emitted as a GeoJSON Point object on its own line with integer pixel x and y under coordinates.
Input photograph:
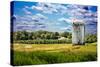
{"type": "Point", "coordinates": [57, 53]}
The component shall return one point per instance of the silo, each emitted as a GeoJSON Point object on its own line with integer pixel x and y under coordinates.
{"type": "Point", "coordinates": [78, 32]}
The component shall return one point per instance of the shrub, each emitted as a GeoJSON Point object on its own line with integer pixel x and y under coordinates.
{"type": "Point", "coordinates": [42, 41]}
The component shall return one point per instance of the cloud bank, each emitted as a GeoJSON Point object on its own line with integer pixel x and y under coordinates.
{"type": "Point", "coordinates": [55, 16]}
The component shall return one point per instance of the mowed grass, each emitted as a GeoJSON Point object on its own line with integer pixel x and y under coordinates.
{"type": "Point", "coordinates": [26, 54]}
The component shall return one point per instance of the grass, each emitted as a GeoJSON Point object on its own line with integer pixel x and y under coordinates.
{"type": "Point", "coordinates": [52, 53]}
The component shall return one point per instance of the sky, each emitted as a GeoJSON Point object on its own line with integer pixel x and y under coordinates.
{"type": "Point", "coordinates": [34, 16]}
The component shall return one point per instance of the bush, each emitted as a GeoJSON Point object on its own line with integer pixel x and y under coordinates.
{"type": "Point", "coordinates": [90, 38]}
{"type": "Point", "coordinates": [42, 41]}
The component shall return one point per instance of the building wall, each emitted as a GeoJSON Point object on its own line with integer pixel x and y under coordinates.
{"type": "Point", "coordinates": [78, 34]}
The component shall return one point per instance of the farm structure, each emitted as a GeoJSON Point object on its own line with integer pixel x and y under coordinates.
{"type": "Point", "coordinates": [78, 32]}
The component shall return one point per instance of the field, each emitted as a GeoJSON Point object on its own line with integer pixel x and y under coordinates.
{"type": "Point", "coordinates": [26, 54]}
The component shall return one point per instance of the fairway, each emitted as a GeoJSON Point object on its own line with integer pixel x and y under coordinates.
{"type": "Point", "coordinates": [53, 53]}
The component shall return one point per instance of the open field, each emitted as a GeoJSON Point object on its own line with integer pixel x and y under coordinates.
{"type": "Point", "coordinates": [26, 54]}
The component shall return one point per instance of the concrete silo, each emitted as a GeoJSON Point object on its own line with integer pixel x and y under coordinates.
{"type": "Point", "coordinates": [78, 32]}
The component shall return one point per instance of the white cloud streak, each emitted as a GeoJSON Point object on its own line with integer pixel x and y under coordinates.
{"type": "Point", "coordinates": [74, 11]}
{"type": "Point", "coordinates": [65, 20]}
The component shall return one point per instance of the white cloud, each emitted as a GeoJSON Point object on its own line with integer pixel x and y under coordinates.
{"type": "Point", "coordinates": [26, 7]}
{"type": "Point", "coordinates": [37, 8]}
{"type": "Point", "coordinates": [74, 11]}
{"type": "Point", "coordinates": [69, 28]}
{"type": "Point", "coordinates": [30, 20]}
{"type": "Point", "coordinates": [91, 20]}
{"type": "Point", "coordinates": [65, 20]}
{"type": "Point", "coordinates": [26, 10]}
{"type": "Point", "coordinates": [64, 28]}
{"type": "Point", "coordinates": [50, 8]}
{"type": "Point", "coordinates": [79, 12]}
{"type": "Point", "coordinates": [37, 17]}
{"type": "Point", "coordinates": [41, 16]}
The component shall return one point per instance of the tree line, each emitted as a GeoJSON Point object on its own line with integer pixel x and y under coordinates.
{"type": "Point", "coordinates": [90, 38]}
{"type": "Point", "coordinates": [46, 37]}
{"type": "Point", "coordinates": [24, 35]}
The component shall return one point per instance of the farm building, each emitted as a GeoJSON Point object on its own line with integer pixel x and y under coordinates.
{"type": "Point", "coordinates": [78, 32]}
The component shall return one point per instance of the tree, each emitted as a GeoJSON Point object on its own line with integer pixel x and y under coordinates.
{"type": "Point", "coordinates": [89, 38]}
{"type": "Point", "coordinates": [47, 36]}
{"type": "Point", "coordinates": [65, 34]}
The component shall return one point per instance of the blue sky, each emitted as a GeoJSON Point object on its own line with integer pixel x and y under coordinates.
{"type": "Point", "coordinates": [33, 16]}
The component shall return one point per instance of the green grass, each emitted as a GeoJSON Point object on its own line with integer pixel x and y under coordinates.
{"type": "Point", "coordinates": [50, 54]}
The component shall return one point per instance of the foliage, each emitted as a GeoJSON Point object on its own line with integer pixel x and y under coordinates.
{"type": "Point", "coordinates": [45, 37]}
{"type": "Point", "coordinates": [90, 38]}
{"type": "Point", "coordinates": [43, 41]}
{"type": "Point", "coordinates": [24, 35]}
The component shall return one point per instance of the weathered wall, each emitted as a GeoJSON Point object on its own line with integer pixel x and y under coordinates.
{"type": "Point", "coordinates": [78, 33]}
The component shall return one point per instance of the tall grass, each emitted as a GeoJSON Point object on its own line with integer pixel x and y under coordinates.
{"type": "Point", "coordinates": [25, 54]}
{"type": "Point", "coordinates": [29, 58]}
